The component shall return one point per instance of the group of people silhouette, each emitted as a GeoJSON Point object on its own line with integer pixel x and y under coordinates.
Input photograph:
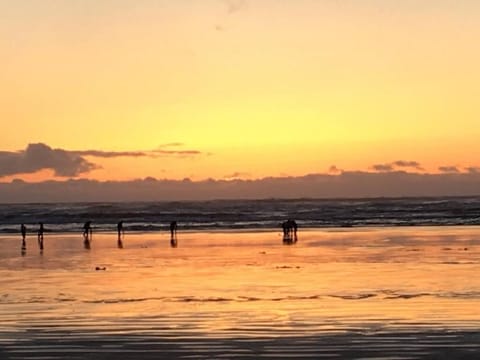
{"type": "Point", "coordinates": [289, 228]}
{"type": "Point", "coordinates": [88, 234]}
{"type": "Point", "coordinates": [23, 230]}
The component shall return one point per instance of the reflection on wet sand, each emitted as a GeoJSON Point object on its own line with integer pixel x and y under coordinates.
{"type": "Point", "coordinates": [336, 293]}
{"type": "Point", "coordinates": [86, 344]}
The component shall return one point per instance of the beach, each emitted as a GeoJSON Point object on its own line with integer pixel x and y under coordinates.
{"type": "Point", "coordinates": [370, 292]}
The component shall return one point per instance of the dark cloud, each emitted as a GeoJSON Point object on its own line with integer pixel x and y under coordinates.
{"type": "Point", "coordinates": [40, 156]}
{"type": "Point", "coordinates": [396, 165]}
{"type": "Point", "coordinates": [72, 163]}
{"type": "Point", "coordinates": [407, 164]}
{"type": "Point", "coordinates": [473, 169]}
{"type": "Point", "coordinates": [383, 167]}
{"type": "Point", "coordinates": [237, 175]}
{"type": "Point", "coordinates": [449, 169]}
{"type": "Point", "coordinates": [348, 184]}
{"type": "Point", "coordinates": [334, 170]}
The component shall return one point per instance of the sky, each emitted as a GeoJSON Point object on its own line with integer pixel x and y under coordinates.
{"type": "Point", "coordinates": [237, 89]}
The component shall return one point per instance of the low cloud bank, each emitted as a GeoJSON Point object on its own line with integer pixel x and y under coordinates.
{"type": "Point", "coordinates": [353, 184]}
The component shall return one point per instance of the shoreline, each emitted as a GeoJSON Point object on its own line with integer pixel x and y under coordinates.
{"type": "Point", "coordinates": [326, 229]}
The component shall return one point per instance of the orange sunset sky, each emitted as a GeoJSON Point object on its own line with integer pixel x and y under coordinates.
{"type": "Point", "coordinates": [239, 89]}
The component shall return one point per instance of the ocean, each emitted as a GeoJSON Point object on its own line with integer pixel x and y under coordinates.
{"type": "Point", "coordinates": [243, 214]}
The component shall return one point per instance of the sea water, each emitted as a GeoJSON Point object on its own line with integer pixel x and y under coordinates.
{"type": "Point", "coordinates": [242, 214]}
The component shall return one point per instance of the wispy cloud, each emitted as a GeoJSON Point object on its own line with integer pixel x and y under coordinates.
{"type": "Point", "coordinates": [234, 6]}
{"type": "Point", "coordinates": [231, 7]}
{"type": "Point", "coordinates": [382, 167]}
{"type": "Point", "coordinates": [397, 165]}
{"type": "Point", "coordinates": [449, 169]}
{"type": "Point", "coordinates": [165, 150]}
{"type": "Point", "coordinates": [473, 169]}
{"type": "Point", "coordinates": [148, 153]}
{"type": "Point", "coordinates": [110, 154]}
{"type": "Point", "coordinates": [237, 175]}
{"type": "Point", "coordinates": [182, 153]}
{"type": "Point", "coordinates": [334, 170]}
{"type": "Point", "coordinates": [407, 164]}
{"type": "Point", "coordinates": [172, 144]}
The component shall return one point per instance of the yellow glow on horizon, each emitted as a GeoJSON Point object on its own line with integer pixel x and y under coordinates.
{"type": "Point", "coordinates": [272, 88]}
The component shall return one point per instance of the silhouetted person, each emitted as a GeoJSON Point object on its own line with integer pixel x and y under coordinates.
{"type": "Point", "coordinates": [23, 230]}
{"type": "Point", "coordinates": [40, 236]}
{"type": "Point", "coordinates": [285, 228]}
{"type": "Point", "coordinates": [120, 230]}
{"type": "Point", "coordinates": [120, 233]}
{"type": "Point", "coordinates": [87, 231]}
{"type": "Point", "coordinates": [173, 234]}
{"type": "Point", "coordinates": [173, 228]}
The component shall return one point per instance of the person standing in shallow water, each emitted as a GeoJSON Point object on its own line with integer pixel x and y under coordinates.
{"type": "Point", "coordinates": [173, 234]}
{"type": "Point", "coordinates": [285, 229]}
{"type": "Point", "coordinates": [23, 231]}
{"type": "Point", "coordinates": [173, 228]}
{"type": "Point", "coordinates": [121, 233]}
{"type": "Point", "coordinates": [120, 230]}
{"type": "Point", "coordinates": [294, 228]}
{"type": "Point", "coordinates": [40, 236]}
{"type": "Point", "coordinates": [87, 231]}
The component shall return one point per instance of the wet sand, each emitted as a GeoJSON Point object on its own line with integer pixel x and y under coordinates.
{"type": "Point", "coordinates": [402, 293]}
{"type": "Point", "coordinates": [350, 345]}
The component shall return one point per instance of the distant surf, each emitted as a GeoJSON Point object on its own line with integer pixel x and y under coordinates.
{"type": "Point", "coordinates": [243, 214]}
